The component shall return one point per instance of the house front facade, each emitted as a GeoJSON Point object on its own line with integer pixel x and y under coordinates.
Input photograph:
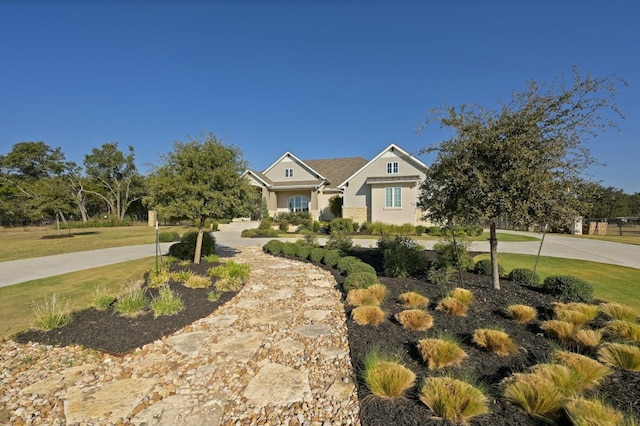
{"type": "Point", "coordinates": [383, 189]}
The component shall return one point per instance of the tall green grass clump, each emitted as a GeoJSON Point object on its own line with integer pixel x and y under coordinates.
{"type": "Point", "coordinates": [386, 377]}
{"type": "Point", "coordinates": [230, 276]}
{"type": "Point", "coordinates": [53, 313]}
{"type": "Point", "coordinates": [166, 303]}
{"type": "Point", "coordinates": [133, 302]}
{"type": "Point", "coordinates": [102, 298]}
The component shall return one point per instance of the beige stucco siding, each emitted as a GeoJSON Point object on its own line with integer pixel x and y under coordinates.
{"type": "Point", "coordinates": [300, 173]}
{"type": "Point", "coordinates": [397, 215]}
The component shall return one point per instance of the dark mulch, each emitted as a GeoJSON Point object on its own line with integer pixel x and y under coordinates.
{"type": "Point", "coordinates": [621, 390]}
{"type": "Point", "coordinates": [110, 332]}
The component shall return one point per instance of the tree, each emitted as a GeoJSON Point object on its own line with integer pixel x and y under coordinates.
{"type": "Point", "coordinates": [201, 178]}
{"type": "Point", "coordinates": [523, 162]}
{"type": "Point", "coordinates": [335, 205]}
{"type": "Point", "coordinates": [114, 177]}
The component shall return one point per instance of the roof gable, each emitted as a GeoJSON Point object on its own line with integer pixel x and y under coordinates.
{"type": "Point", "coordinates": [289, 155]}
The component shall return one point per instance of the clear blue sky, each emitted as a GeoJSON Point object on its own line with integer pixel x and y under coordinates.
{"type": "Point", "coordinates": [318, 78]}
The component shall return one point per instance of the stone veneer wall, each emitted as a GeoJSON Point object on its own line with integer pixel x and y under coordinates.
{"type": "Point", "coordinates": [357, 214]}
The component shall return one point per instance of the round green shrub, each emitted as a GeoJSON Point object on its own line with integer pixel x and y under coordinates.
{"type": "Point", "coordinates": [290, 249]}
{"type": "Point", "coordinates": [273, 247]}
{"type": "Point", "coordinates": [360, 266]}
{"type": "Point", "coordinates": [331, 258]}
{"type": "Point", "coordinates": [249, 233]}
{"type": "Point", "coordinates": [434, 231]}
{"type": "Point", "coordinates": [420, 230]}
{"type": "Point", "coordinates": [168, 237]}
{"type": "Point", "coordinates": [346, 260]}
{"type": "Point", "coordinates": [568, 288]}
{"type": "Point", "coordinates": [303, 252]}
{"type": "Point", "coordinates": [523, 276]}
{"type": "Point", "coordinates": [186, 248]}
{"type": "Point", "coordinates": [359, 280]}
{"type": "Point", "coordinates": [484, 267]}
{"type": "Point", "coordinates": [316, 254]}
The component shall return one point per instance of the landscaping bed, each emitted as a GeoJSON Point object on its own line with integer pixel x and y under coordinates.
{"type": "Point", "coordinates": [107, 331]}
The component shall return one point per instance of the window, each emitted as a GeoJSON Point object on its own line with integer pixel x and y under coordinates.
{"type": "Point", "coordinates": [393, 197]}
{"type": "Point", "coordinates": [288, 173]}
{"type": "Point", "coordinates": [298, 204]}
{"type": "Point", "coordinates": [392, 168]}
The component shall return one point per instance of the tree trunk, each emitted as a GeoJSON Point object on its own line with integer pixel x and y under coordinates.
{"type": "Point", "coordinates": [196, 256]}
{"type": "Point", "coordinates": [493, 243]}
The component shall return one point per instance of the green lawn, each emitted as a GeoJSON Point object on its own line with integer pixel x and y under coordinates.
{"type": "Point", "coordinates": [21, 244]}
{"type": "Point", "coordinates": [17, 301]}
{"type": "Point", "coordinates": [611, 283]}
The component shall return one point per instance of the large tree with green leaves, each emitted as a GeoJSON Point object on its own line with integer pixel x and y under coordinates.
{"type": "Point", "coordinates": [523, 162]}
{"type": "Point", "coordinates": [201, 178]}
{"type": "Point", "coordinates": [113, 177]}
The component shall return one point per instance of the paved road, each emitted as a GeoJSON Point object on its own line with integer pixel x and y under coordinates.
{"type": "Point", "coordinates": [18, 271]}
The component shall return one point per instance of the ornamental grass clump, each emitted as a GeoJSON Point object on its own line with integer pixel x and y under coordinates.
{"type": "Point", "coordinates": [380, 291]}
{"type": "Point", "coordinates": [590, 372]}
{"type": "Point", "coordinates": [214, 295]}
{"type": "Point", "coordinates": [623, 330]}
{"type": "Point", "coordinates": [453, 306]}
{"type": "Point", "coordinates": [230, 276]}
{"type": "Point", "coordinates": [561, 330]}
{"type": "Point", "coordinates": [535, 394]}
{"type": "Point", "coordinates": [133, 302]}
{"type": "Point", "coordinates": [158, 278]}
{"type": "Point", "coordinates": [588, 338]}
{"type": "Point", "coordinates": [412, 299]}
{"type": "Point", "coordinates": [620, 355]}
{"type": "Point", "coordinates": [592, 412]}
{"type": "Point", "coordinates": [368, 315]}
{"type": "Point", "coordinates": [386, 377]}
{"type": "Point", "coordinates": [181, 276]}
{"type": "Point", "coordinates": [102, 299]}
{"type": "Point", "coordinates": [587, 309]}
{"type": "Point", "coordinates": [619, 311]}
{"type": "Point", "coordinates": [522, 314]}
{"type": "Point", "coordinates": [579, 319]}
{"type": "Point", "coordinates": [362, 297]}
{"type": "Point", "coordinates": [442, 352]}
{"type": "Point", "coordinates": [415, 319]}
{"type": "Point", "coordinates": [564, 378]}
{"type": "Point", "coordinates": [197, 281]}
{"type": "Point", "coordinates": [166, 303]}
{"type": "Point", "coordinates": [462, 295]}
{"type": "Point", "coordinates": [493, 340]}
{"type": "Point", "coordinates": [53, 313]}
{"type": "Point", "coordinates": [452, 399]}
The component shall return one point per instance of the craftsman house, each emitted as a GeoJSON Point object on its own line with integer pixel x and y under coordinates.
{"type": "Point", "coordinates": [383, 189]}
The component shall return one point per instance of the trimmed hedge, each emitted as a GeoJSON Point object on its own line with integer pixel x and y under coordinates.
{"type": "Point", "coordinates": [523, 276]}
{"type": "Point", "coordinates": [290, 249]}
{"type": "Point", "coordinates": [359, 266]}
{"type": "Point", "coordinates": [359, 280]}
{"type": "Point", "coordinates": [331, 258]}
{"type": "Point", "coordinates": [304, 251]}
{"type": "Point", "coordinates": [186, 248]}
{"type": "Point", "coordinates": [317, 254]}
{"type": "Point", "coordinates": [568, 288]}
{"type": "Point", "coordinates": [273, 247]}
{"type": "Point", "coordinates": [346, 260]}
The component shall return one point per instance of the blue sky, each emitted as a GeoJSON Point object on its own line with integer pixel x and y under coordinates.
{"type": "Point", "coordinates": [321, 79]}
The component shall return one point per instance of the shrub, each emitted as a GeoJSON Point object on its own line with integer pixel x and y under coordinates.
{"type": "Point", "coordinates": [308, 238]}
{"type": "Point", "coordinates": [590, 371]}
{"type": "Point", "coordinates": [102, 299]}
{"type": "Point", "coordinates": [379, 291]}
{"type": "Point", "coordinates": [386, 377]}
{"type": "Point", "coordinates": [259, 233]}
{"type": "Point", "coordinates": [230, 276]}
{"type": "Point", "coordinates": [341, 225]}
{"type": "Point", "coordinates": [568, 288]}
{"type": "Point", "coordinates": [618, 311]}
{"type": "Point", "coordinates": [453, 399]}
{"type": "Point", "coordinates": [415, 319]}
{"type": "Point", "coordinates": [290, 249]}
{"type": "Point", "coordinates": [523, 276]}
{"type": "Point", "coordinates": [620, 355]}
{"type": "Point", "coordinates": [132, 303]}
{"type": "Point", "coordinates": [168, 237]}
{"type": "Point", "coordinates": [440, 276]}
{"type": "Point", "coordinates": [346, 260]}
{"type": "Point", "coordinates": [186, 248]}
{"type": "Point", "coordinates": [359, 280]}
{"type": "Point", "coordinates": [361, 297]}
{"type": "Point", "coordinates": [368, 315]}
{"type": "Point", "coordinates": [359, 266]}
{"type": "Point", "coordinates": [420, 230]}
{"type": "Point", "coordinates": [266, 223]}
{"type": "Point", "coordinates": [462, 295]}
{"type": "Point", "coordinates": [401, 257]}
{"type": "Point", "coordinates": [214, 295]}
{"type": "Point", "coordinates": [331, 258]}
{"type": "Point", "coordinates": [561, 330]}
{"type": "Point", "coordinates": [584, 412]}
{"type": "Point", "coordinates": [522, 313]}
{"type": "Point", "coordinates": [453, 306]}
{"type": "Point", "coordinates": [534, 394]}
{"type": "Point", "coordinates": [212, 258]}
{"type": "Point", "coordinates": [53, 313]}
{"type": "Point", "coordinates": [316, 254]}
{"type": "Point", "coordinates": [339, 240]}
{"type": "Point", "coordinates": [588, 338]}
{"type": "Point", "coordinates": [197, 281]}
{"type": "Point", "coordinates": [274, 247]}
{"type": "Point", "coordinates": [623, 330]}
{"type": "Point", "coordinates": [303, 252]}
{"type": "Point", "coordinates": [413, 299]}
{"type": "Point", "coordinates": [167, 303]}
{"type": "Point", "coordinates": [434, 231]}
{"type": "Point", "coordinates": [284, 225]}
{"type": "Point", "coordinates": [495, 341]}
{"type": "Point", "coordinates": [442, 352]}
{"type": "Point", "coordinates": [449, 253]}
{"type": "Point", "coordinates": [484, 267]}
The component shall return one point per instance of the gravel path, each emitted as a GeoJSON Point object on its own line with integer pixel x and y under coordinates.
{"type": "Point", "coordinates": [276, 354]}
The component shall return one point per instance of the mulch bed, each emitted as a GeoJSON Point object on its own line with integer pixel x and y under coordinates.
{"type": "Point", "coordinates": [107, 331]}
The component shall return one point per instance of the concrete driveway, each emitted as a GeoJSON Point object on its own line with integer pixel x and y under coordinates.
{"type": "Point", "coordinates": [18, 271]}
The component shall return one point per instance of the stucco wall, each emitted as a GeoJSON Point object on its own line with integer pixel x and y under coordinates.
{"type": "Point", "coordinates": [276, 173]}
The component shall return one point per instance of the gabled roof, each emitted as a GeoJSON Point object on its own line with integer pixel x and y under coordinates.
{"type": "Point", "coordinates": [336, 170]}
{"type": "Point", "coordinates": [259, 177]}
{"type": "Point", "coordinates": [296, 159]}
{"type": "Point", "coordinates": [392, 147]}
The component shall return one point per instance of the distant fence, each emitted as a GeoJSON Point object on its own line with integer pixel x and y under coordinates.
{"type": "Point", "coordinates": [620, 226]}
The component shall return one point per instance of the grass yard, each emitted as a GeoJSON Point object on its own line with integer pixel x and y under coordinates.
{"type": "Point", "coordinates": [21, 244]}
{"type": "Point", "coordinates": [626, 239]}
{"type": "Point", "coordinates": [610, 282]}
{"type": "Point", "coordinates": [17, 301]}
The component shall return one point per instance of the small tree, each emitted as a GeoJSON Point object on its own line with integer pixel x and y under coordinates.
{"type": "Point", "coordinates": [335, 205]}
{"type": "Point", "coordinates": [522, 162]}
{"type": "Point", "coordinates": [200, 179]}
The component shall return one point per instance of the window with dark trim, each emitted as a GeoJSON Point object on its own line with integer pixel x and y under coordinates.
{"type": "Point", "coordinates": [288, 173]}
{"type": "Point", "coordinates": [393, 168]}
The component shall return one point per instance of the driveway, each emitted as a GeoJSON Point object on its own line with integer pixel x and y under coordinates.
{"type": "Point", "coordinates": [18, 271]}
